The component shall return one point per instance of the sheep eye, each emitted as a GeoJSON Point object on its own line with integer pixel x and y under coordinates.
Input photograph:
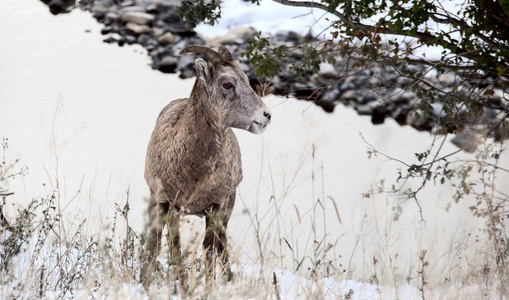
{"type": "Point", "coordinates": [228, 85]}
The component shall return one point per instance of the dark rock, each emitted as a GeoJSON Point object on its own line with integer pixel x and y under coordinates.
{"type": "Point", "coordinates": [296, 54]}
{"type": "Point", "coordinates": [152, 8]}
{"type": "Point", "coordinates": [346, 86]}
{"type": "Point", "coordinates": [369, 98]}
{"type": "Point", "coordinates": [499, 131]}
{"type": "Point", "coordinates": [420, 123]}
{"type": "Point", "coordinates": [144, 39]}
{"type": "Point", "coordinates": [181, 29]}
{"type": "Point", "coordinates": [305, 91]}
{"type": "Point", "coordinates": [160, 23]}
{"type": "Point", "coordinates": [106, 30]}
{"type": "Point", "coordinates": [363, 110]}
{"type": "Point", "coordinates": [168, 64]}
{"type": "Point", "coordinates": [331, 95]}
{"type": "Point", "coordinates": [119, 28]}
{"type": "Point", "coordinates": [98, 15]}
{"type": "Point", "coordinates": [365, 73]}
{"type": "Point", "coordinates": [168, 4]}
{"type": "Point", "coordinates": [110, 40]}
{"type": "Point", "coordinates": [378, 115]}
{"type": "Point", "coordinates": [194, 40]}
{"type": "Point", "coordinates": [165, 63]}
{"type": "Point", "coordinates": [403, 81]}
{"type": "Point", "coordinates": [287, 35]}
{"type": "Point", "coordinates": [502, 82]}
{"type": "Point", "coordinates": [101, 6]}
{"type": "Point", "coordinates": [186, 62]}
{"type": "Point", "coordinates": [168, 16]}
{"type": "Point", "coordinates": [60, 6]}
{"type": "Point", "coordinates": [110, 18]}
{"type": "Point", "coordinates": [406, 96]}
{"type": "Point", "coordinates": [400, 114]}
{"type": "Point", "coordinates": [399, 95]}
{"type": "Point", "coordinates": [361, 80]}
{"type": "Point", "coordinates": [278, 85]}
{"type": "Point", "coordinates": [307, 74]}
{"type": "Point", "coordinates": [293, 36]}
{"type": "Point", "coordinates": [327, 106]}
{"type": "Point", "coordinates": [490, 114]}
{"type": "Point", "coordinates": [151, 46]}
{"type": "Point", "coordinates": [187, 73]}
{"type": "Point", "coordinates": [129, 39]}
{"type": "Point", "coordinates": [281, 35]}
{"type": "Point", "coordinates": [253, 79]}
{"type": "Point", "coordinates": [156, 26]}
{"type": "Point", "coordinates": [366, 109]}
{"type": "Point", "coordinates": [56, 6]}
{"type": "Point", "coordinates": [496, 103]}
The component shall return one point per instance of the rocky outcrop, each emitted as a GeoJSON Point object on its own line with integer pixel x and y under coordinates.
{"type": "Point", "coordinates": [376, 90]}
{"type": "Point", "coordinates": [60, 6]}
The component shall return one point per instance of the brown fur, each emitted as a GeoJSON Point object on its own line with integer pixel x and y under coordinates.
{"type": "Point", "coordinates": [193, 164]}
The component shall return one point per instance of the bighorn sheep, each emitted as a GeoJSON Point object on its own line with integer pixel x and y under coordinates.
{"type": "Point", "coordinates": [193, 163]}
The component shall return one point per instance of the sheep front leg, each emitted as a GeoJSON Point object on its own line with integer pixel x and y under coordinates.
{"type": "Point", "coordinates": [176, 259]}
{"type": "Point", "coordinates": [215, 243]}
{"type": "Point", "coordinates": [158, 212]}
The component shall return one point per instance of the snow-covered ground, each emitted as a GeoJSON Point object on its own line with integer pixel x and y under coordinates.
{"type": "Point", "coordinates": [268, 17]}
{"type": "Point", "coordinates": [286, 200]}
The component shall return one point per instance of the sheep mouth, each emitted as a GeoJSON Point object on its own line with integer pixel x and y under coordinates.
{"type": "Point", "coordinates": [262, 125]}
{"type": "Point", "coordinates": [258, 127]}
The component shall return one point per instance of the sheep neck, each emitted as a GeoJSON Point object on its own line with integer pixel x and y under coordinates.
{"type": "Point", "coordinates": [207, 132]}
{"type": "Point", "coordinates": [208, 113]}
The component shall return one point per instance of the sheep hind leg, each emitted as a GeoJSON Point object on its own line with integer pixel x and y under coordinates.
{"type": "Point", "coordinates": [158, 212]}
{"type": "Point", "coordinates": [215, 243]}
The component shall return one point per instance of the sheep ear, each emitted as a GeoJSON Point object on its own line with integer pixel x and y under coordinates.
{"type": "Point", "coordinates": [202, 70]}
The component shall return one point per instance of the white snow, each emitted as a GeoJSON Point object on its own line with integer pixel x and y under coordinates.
{"type": "Point", "coordinates": [118, 96]}
{"type": "Point", "coordinates": [268, 17]}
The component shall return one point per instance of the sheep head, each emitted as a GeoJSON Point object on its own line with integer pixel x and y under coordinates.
{"type": "Point", "coordinates": [222, 85]}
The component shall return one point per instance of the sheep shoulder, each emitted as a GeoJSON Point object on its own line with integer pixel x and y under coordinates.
{"type": "Point", "coordinates": [172, 112]}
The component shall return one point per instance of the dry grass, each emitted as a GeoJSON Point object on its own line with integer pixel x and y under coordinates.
{"type": "Point", "coordinates": [46, 254]}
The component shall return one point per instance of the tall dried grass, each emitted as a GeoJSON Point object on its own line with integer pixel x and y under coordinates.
{"type": "Point", "coordinates": [46, 254]}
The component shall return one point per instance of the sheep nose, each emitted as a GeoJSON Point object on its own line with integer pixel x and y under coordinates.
{"type": "Point", "coordinates": [267, 115]}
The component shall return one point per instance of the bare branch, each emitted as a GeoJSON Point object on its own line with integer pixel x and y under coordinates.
{"type": "Point", "coordinates": [424, 37]}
